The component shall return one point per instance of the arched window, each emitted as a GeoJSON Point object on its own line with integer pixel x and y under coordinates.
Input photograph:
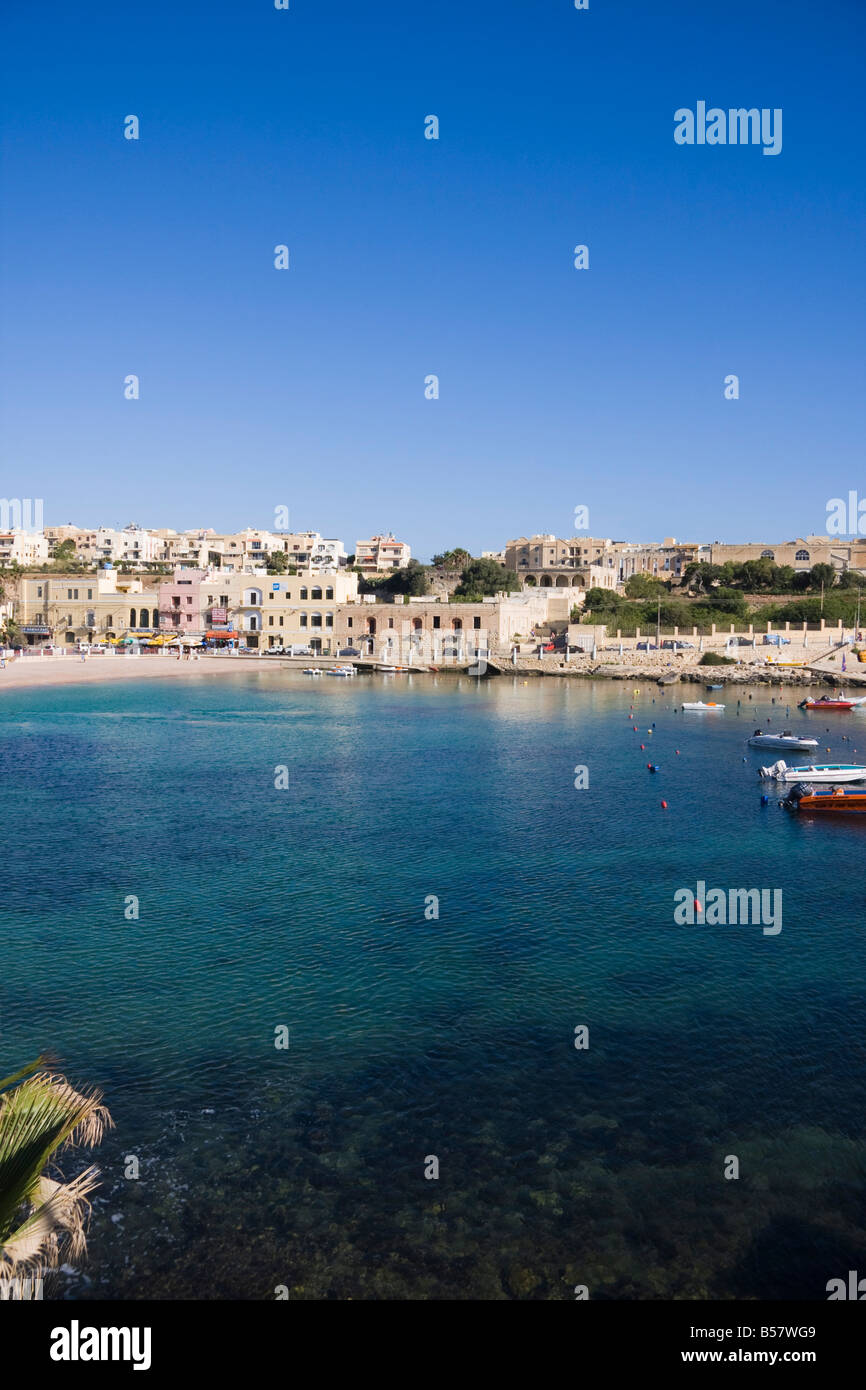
{"type": "Point", "coordinates": [254, 623]}
{"type": "Point", "coordinates": [315, 620]}
{"type": "Point", "coordinates": [767, 555]}
{"type": "Point", "coordinates": [546, 582]}
{"type": "Point", "coordinates": [253, 597]}
{"type": "Point", "coordinates": [802, 555]}
{"type": "Point", "coordinates": [304, 592]}
{"type": "Point", "coordinates": [329, 592]}
{"type": "Point", "coordinates": [316, 595]}
{"type": "Point", "coordinates": [132, 616]}
{"type": "Point", "coordinates": [154, 621]}
{"type": "Point", "coordinates": [90, 617]}
{"type": "Point", "coordinates": [457, 624]}
{"type": "Point", "coordinates": [303, 620]}
{"type": "Point", "coordinates": [416, 623]}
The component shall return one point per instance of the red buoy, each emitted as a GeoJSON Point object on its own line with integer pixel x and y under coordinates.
{"type": "Point", "coordinates": [664, 805]}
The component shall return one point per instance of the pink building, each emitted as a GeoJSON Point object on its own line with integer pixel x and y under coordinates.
{"type": "Point", "coordinates": [180, 602]}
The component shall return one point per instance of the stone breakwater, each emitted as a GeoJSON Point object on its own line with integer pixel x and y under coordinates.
{"type": "Point", "coordinates": [652, 670]}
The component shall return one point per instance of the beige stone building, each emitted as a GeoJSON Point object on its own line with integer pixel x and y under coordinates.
{"type": "Point", "coordinates": [432, 631]}
{"type": "Point", "coordinates": [278, 610]}
{"type": "Point", "coordinates": [64, 609]}
{"type": "Point", "coordinates": [801, 553]}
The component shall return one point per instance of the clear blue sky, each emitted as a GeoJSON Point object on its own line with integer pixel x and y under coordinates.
{"type": "Point", "coordinates": [305, 388]}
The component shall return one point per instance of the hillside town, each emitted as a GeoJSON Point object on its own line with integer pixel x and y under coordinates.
{"type": "Point", "coordinates": [302, 593]}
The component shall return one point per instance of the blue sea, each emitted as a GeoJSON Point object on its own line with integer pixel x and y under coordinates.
{"type": "Point", "coordinates": [402, 874]}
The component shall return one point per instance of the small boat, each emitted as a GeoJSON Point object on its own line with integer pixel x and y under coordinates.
{"type": "Point", "coordinates": [341, 671]}
{"type": "Point", "coordinates": [311, 671]}
{"type": "Point", "coordinates": [803, 797]}
{"type": "Point", "coordinates": [826, 702]}
{"type": "Point", "coordinates": [715, 687]}
{"type": "Point", "coordinates": [699, 704]}
{"type": "Point", "coordinates": [815, 772]}
{"type": "Point", "coordinates": [785, 740]}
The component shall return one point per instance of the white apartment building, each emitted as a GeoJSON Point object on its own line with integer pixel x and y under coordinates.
{"type": "Point", "coordinates": [382, 553]}
{"type": "Point", "coordinates": [23, 547]}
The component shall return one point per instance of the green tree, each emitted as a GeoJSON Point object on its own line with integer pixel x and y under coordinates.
{"type": "Point", "coordinates": [643, 586]}
{"type": "Point", "coordinates": [411, 580]}
{"type": "Point", "coordinates": [822, 574]}
{"type": "Point", "coordinates": [277, 562]}
{"type": "Point", "coordinates": [456, 559]}
{"type": "Point", "coordinates": [64, 553]}
{"type": "Point", "coordinates": [483, 577]}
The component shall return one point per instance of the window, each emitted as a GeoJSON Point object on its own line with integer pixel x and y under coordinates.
{"type": "Point", "coordinates": [303, 593]}
{"type": "Point", "coordinates": [69, 593]}
{"type": "Point", "coordinates": [281, 621]}
{"type": "Point", "coordinates": [303, 620]}
{"type": "Point", "coordinates": [155, 619]}
{"type": "Point", "coordinates": [348, 622]}
{"type": "Point", "coordinates": [132, 617]}
{"type": "Point", "coordinates": [437, 621]}
{"type": "Point", "coordinates": [476, 623]}
{"type": "Point", "coordinates": [316, 620]}
{"type": "Point", "coordinates": [316, 594]}
{"type": "Point", "coordinates": [329, 620]}
{"type": "Point", "coordinates": [457, 624]}
{"type": "Point", "coordinates": [90, 618]}
{"type": "Point", "coordinates": [271, 620]}
{"type": "Point", "coordinates": [90, 593]}
{"type": "Point", "coordinates": [767, 555]}
{"type": "Point", "coordinates": [329, 593]}
{"type": "Point", "coordinates": [109, 623]}
{"type": "Point", "coordinates": [39, 591]}
{"type": "Point", "coordinates": [390, 622]}
{"type": "Point", "coordinates": [802, 555]}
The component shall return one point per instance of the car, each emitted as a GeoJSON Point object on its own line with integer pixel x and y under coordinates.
{"type": "Point", "coordinates": [775, 639]}
{"type": "Point", "coordinates": [647, 647]}
{"type": "Point", "coordinates": [299, 651]}
{"type": "Point", "coordinates": [274, 651]}
{"type": "Point", "coordinates": [673, 644]}
{"type": "Point", "coordinates": [350, 651]}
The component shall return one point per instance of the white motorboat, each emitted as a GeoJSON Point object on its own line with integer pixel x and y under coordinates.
{"type": "Point", "coordinates": [341, 671]}
{"type": "Point", "coordinates": [311, 671]}
{"type": "Point", "coordinates": [699, 704]}
{"type": "Point", "coordinates": [784, 740]}
{"type": "Point", "coordinates": [814, 772]}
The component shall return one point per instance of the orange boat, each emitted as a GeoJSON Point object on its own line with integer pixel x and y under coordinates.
{"type": "Point", "coordinates": [803, 797]}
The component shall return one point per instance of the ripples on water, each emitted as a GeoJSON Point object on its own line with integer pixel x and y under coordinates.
{"type": "Point", "coordinates": [453, 1037]}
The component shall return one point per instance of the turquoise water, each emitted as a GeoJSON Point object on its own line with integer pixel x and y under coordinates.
{"type": "Point", "coordinates": [412, 1037]}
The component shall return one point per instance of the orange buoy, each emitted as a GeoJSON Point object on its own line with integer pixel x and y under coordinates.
{"type": "Point", "coordinates": [664, 805]}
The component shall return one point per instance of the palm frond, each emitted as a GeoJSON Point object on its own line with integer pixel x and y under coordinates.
{"type": "Point", "coordinates": [38, 1118]}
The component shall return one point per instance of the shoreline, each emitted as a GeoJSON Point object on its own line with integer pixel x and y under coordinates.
{"type": "Point", "coordinates": [40, 672]}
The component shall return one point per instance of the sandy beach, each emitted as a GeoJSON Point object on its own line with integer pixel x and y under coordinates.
{"type": "Point", "coordinates": [31, 671]}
